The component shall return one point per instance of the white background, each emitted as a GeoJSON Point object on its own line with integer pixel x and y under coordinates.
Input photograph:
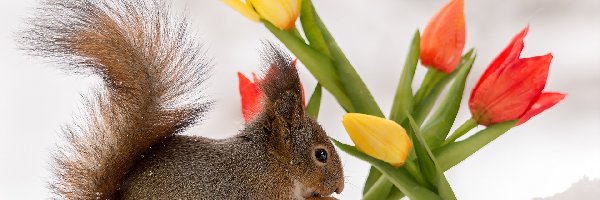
{"type": "Point", "coordinates": [538, 159]}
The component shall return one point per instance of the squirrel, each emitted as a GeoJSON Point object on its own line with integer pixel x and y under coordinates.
{"type": "Point", "coordinates": [127, 144]}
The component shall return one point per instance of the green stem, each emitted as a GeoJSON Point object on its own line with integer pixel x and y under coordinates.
{"type": "Point", "coordinates": [353, 84]}
{"type": "Point", "coordinates": [427, 95]}
{"type": "Point", "coordinates": [372, 178]}
{"type": "Point", "coordinates": [320, 66]}
{"type": "Point", "coordinates": [462, 130]}
{"type": "Point", "coordinates": [395, 194]}
{"type": "Point", "coordinates": [297, 33]}
{"type": "Point", "coordinates": [311, 29]}
{"type": "Point", "coordinates": [450, 155]}
{"type": "Point", "coordinates": [431, 79]}
{"type": "Point", "coordinates": [383, 187]}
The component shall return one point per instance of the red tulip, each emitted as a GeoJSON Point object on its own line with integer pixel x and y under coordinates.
{"type": "Point", "coordinates": [251, 96]}
{"type": "Point", "coordinates": [443, 40]}
{"type": "Point", "coordinates": [511, 87]}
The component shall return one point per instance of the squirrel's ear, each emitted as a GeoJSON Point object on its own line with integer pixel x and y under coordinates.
{"type": "Point", "coordinates": [281, 86]}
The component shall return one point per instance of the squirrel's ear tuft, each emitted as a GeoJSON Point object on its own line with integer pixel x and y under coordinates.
{"type": "Point", "coordinates": [281, 84]}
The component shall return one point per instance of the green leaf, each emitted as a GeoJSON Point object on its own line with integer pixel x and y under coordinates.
{"type": "Point", "coordinates": [452, 154]}
{"type": "Point", "coordinates": [461, 130]}
{"type": "Point", "coordinates": [403, 101]}
{"type": "Point", "coordinates": [398, 176]}
{"type": "Point", "coordinates": [428, 163]}
{"type": "Point", "coordinates": [428, 94]}
{"type": "Point", "coordinates": [321, 67]}
{"type": "Point", "coordinates": [314, 104]}
{"type": "Point", "coordinates": [437, 127]}
{"type": "Point", "coordinates": [372, 178]}
{"type": "Point", "coordinates": [311, 29]}
{"type": "Point", "coordinates": [354, 86]}
{"type": "Point", "coordinates": [432, 78]}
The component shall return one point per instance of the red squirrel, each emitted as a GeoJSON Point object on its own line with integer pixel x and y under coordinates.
{"type": "Point", "coordinates": [127, 144]}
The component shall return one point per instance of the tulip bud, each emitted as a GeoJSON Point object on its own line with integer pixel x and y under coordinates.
{"type": "Point", "coordinates": [443, 39]}
{"type": "Point", "coordinates": [281, 13]}
{"type": "Point", "coordinates": [377, 137]}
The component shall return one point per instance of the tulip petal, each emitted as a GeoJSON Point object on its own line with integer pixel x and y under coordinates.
{"type": "Point", "coordinates": [380, 138]}
{"type": "Point", "coordinates": [546, 100]}
{"type": "Point", "coordinates": [244, 9]}
{"type": "Point", "coordinates": [444, 38]}
{"type": "Point", "coordinates": [251, 97]}
{"type": "Point", "coordinates": [280, 13]}
{"type": "Point", "coordinates": [507, 93]}
{"type": "Point", "coordinates": [509, 55]}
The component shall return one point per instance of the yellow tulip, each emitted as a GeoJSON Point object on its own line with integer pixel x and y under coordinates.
{"type": "Point", "coordinates": [377, 137]}
{"type": "Point", "coordinates": [281, 13]}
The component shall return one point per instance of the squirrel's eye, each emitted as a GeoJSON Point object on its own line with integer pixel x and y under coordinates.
{"type": "Point", "coordinates": [321, 155]}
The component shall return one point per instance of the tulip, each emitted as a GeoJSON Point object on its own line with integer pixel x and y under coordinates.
{"type": "Point", "coordinates": [443, 40]}
{"type": "Point", "coordinates": [251, 96]}
{"type": "Point", "coordinates": [281, 13]}
{"type": "Point", "coordinates": [511, 87]}
{"type": "Point", "coordinates": [377, 137]}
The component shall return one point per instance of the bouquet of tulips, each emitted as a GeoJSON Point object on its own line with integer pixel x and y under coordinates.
{"type": "Point", "coordinates": [410, 150]}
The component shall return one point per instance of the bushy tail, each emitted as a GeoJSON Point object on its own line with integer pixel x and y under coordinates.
{"type": "Point", "coordinates": [152, 71]}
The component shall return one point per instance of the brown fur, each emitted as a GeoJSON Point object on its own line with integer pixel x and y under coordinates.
{"type": "Point", "coordinates": [264, 161]}
{"type": "Point", "coordinates": [152, 86]}
{"type": "Point", "coordinates": [126, 144]}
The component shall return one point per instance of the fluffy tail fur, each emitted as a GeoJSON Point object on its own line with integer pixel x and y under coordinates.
{"type": "Point", "coordinates": [152, 71]}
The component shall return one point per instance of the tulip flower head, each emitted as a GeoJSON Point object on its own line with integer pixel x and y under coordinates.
{"type": "Point", "coordinates": [281, 13]}
{"type": "Point", "coordinates": [377, 137]}
{"type": "Point", "coordinates": [443, 39]}
{"type": "Point", "coordinates": [511, 87]}
{"type": "Point", "coordinates": [251, 96]}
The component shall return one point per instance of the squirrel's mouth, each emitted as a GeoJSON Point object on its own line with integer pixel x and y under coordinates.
{"type": "Point", "coordinates": [309, 193]}
{"type": "Point", "coordinates": [316, 194]}
{"type": "Point", "coordinates": [303, 192]}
